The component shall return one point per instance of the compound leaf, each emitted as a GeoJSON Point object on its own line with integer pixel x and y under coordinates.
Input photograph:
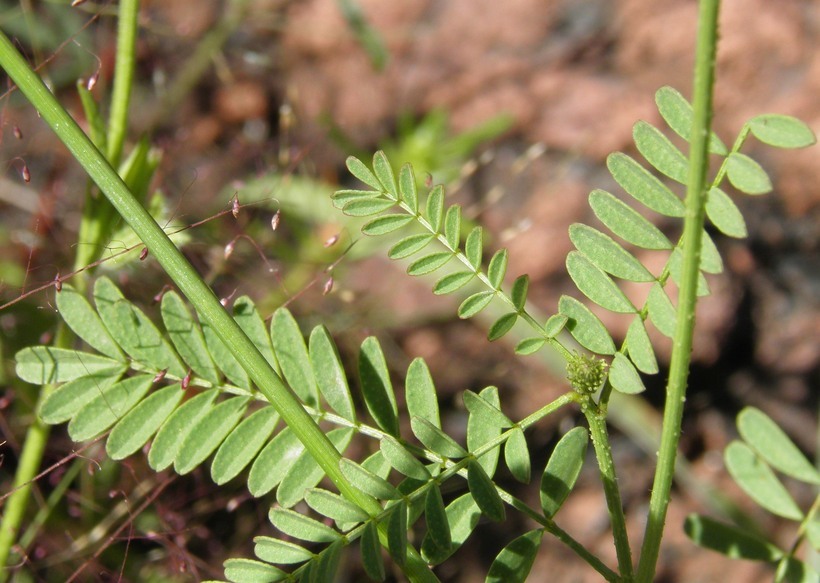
{"type": "Point", "coordinates": [334, 506]}
{"type": "Point", "coordinates": [678, 114]}
{"type": "Point", "coordinates": [519, 291]}
{"type": "Point", "coordinates": [501, 326]}
{"type": "Point", "coordinates": [530, 345]}
{"type": "Point", "coordinates": [208, 433]}
{"type": "Point", "coordinates": [401, 459]}
{"type": "Point", "coordinates": [365, 207]}
{"type": "Point", "coordinates": [248, 318]}
{"type": "Point", "coordinates": [734, 542]}
{"type": "Point", "coordinates": [438, 527]}
{"type": "Point", "coordinates": [67, 399]}
{"type": "Point", "coordinates": [340, 198]}
{"type": "Point", "coordinates": [397, 533]}
{"type": "Point", "coordinates": [486, 412]}
{"type": "Point", "coordinates": [223, 358]}
{"type": "Point", "coordinates": [371, 552]}
{"type": "Point", "coordinates": [758, 480]}
{"type": "Point", "coordinates": [661, 310]}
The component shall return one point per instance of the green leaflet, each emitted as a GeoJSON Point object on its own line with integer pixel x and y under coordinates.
{"type": "Point", "coordinates": [513, 563]}
{"type": "Point", "coordinates": [410, 245]}
{"type": "Point", "coordinates": [274, 462]}
{"type": "Point", "coordinates": [624, 377]}
{"type": "Point", "coordinates": [223, 358]}
{"type": "Point", "coordinates": [781, 131]}
{"type": "Point", "coordinates": [85, 323]}
{"type": "Point", "coordinates": [585, 326]}
{"type": "Point", "coordinates": [301, 527]}
{"type": "Point", "coordinates": [734, 542]}
{"type": "Point", "coordinates": [597, 285]}
{"type": "Point", "coordinates": [452, 226]}
{"type": "Point", "coordinates": [710, 259]}
{"type": "Point", "coordinates": [407, 188]}
{"type": "Point", "coordinates": [643, 186]}
{"type": "Point", "coordinates": [367, 481]}
{"type": "Point", "coordinates": [725, 215]}
{"type": "Point", "coordinates": [640, 347]}
{"type": "Point", "coordinates": [501, 326]}
{"type": "Point", "coordinates": [497, 268]}
{"type": "Point", "coordinates": [167, 443]}
{"type": "Point", "coordinates": [358, 169]}
{"type": "Point", "coordinates": [438, 527]}
{"type": "Point", "coordinates": [248, 318]}
{"type": "Point", "coordinates": [485, 423]}
{"type": "Point", "coordinates": [530, 345]}
{"type": "Point", "coordinates": [397, 533]}
{"type": "Point", "coordinates": [365, 207]}
{"type": "Point", "coordinates": [435, 207]}
{"type": "Point", "coordinates": [108, 408]}
{"type": "Point", "coordinates": [555, 324]}
{"type": "Point", "coordinates": [242, 445]}
{"type": "Point", "coordinates": [474, 304]}
{"type": "Point", "coordinates": [420, 393]}
{"type": "Point", "coordinates": [376, 386]}
{"type": "Point", "coordinates": [774, 446]}
{"type": "Point", "coordinates": [484, 493]}
{"type": "Point", "coordinates": [334, 506]}
{"type": "Point", "coordinates": [628, 224]}
{"type": "Point", "coordinates": [518, 294]}
{"type": "Point", "coordinates": [747, 175]}
{"type": "Point", "coordinates": [329, 373]}
{"type": "Point", "coordinates": [661, 310]}
{"type": "Point", "coordinates": [250, 571]}
{"type": "Point", "coordinates": [208, 432]}
{"type": "Point", "coordinates": [42, 365]}
{"type": "Point", "coordinates": [134, 331]}
{"type": "Point", "coordinates": [306, 472]}
{"type": "Point", "coordinates": [401, 459]}
{"type": "Point", "coordinates": [608, 255]}
{"type": "Point", "coordinates": [517, 456]}
{"type": "Point", "coordinates": [462, 516]}
{"type": "Point", "coordinates": [292, 354]}
{"type": "Point", "coordinates": [340, 198]}
{"type": "Point", "coordinates": [435, 439]}
{"type": "Point", "coordinates": [675, 266]}
{"type": "Point", "coordinates": [280, 552]}
{"type": "Point", "coordinates": [758, 481]}
{"type": "Point", "coordinates": [678, 114]}
{"type": "Point", "coordinates": [371, 552]}
{"type": "Point", "coordinates": [452, 282]}
{"type": "Point", "coordinates": [67, 399]}
{"type": "Point", "coordinates": [383, 171]}
{"type": "Point", "coordinates": [563, 469]}
{"type": "Point", "coordinates": [386, 224]}
{"type": "Point", "coordinates": [187, 337]}
{"type": "Point", "coordinates": [473, 247]}
{"type": "Point", "coordinates": [660, 152]}
{"type": "Point", "coordinates": [136, 428]}
{"type": "Point", "coordinates": [429, 263]}
{"type": "Point", "coordinates": [326, 568]}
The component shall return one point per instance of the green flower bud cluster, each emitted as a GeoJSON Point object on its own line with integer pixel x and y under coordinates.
{"type": "Point", "coordinates": [586, 373]}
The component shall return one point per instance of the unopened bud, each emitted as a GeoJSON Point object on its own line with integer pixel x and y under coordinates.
{"type": "Point", "coordinates": [160, 375]}
{"type": "Point", "coordinates": [92, 81]}
{"type": "Point", "coordinates": [328, 286]}
{"type": "Point", "coordinates": [25, 173]}
{"type": "Point", "coordinates": [235, 206]}
{"type": "Point", "coordinates": [332, 241]}
{"type": "Point", "coordinates": [229, 248]}
{"type": "Point", "coordinates": [274, 221]}
{"type": "Point", "coordinates": [186, 380]}
{"type": "Point", "coordinates": [143, 253]}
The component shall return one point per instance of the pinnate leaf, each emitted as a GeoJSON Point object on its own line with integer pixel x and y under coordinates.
{"type": "Point", "coordinates": [397, 533]}
{"type": "Point", "coordinates": [555, 324]}
{"type": "Point", "coordinates": [340, 198]}
{"type": "Point", "coordinates": [563, 469]}
{"type": "Point", "coordinates": [484, 411]}
{"type": "Point", "coordinates": [747, 175]}
{"type": "Point", "coordinates": [513, 563]}
{"type": "Point", "coordinates": [774, 446]}
{"type": "Point", "coordinates": [248, 318]}
{"type": "Point", "coordinates": [377, 388]}
{"type": "Point", "coordinates": [224, 359]}
{"type": "Point", "coordinates": [782, 131]}
{"type": "Point", "coordinates": [274, 462]}
{"type": "Point", "coordinates": [208, 433]}
{"type": "Point", "coordinates": [519, 291]}
{"type": "Point", "coordinates": [661, 310]}
{"type": "Point", "coordinates": [530, 345]}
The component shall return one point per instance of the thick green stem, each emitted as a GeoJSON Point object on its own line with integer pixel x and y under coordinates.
{"type": "Point", "coordinates": [682, 341]}
{"type": "Point", "coordinates": [281, 397]}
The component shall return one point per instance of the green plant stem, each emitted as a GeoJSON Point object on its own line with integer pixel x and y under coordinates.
{"type": "Point", "coordinates": [596, 419]}
{"type": "Point", "coordinates": [281, 397]}
{"type": "Point", "coordinates": [123, 79]}
{"type": "Point", "coordinates": [692, 235]}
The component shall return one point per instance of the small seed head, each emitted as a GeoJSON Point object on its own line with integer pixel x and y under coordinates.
{"type": "Point", "coordinates": [586, 373]}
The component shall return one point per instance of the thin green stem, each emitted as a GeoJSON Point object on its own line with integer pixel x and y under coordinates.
{"type": "Point", "coordinates": [682, 341]}
{"type": "Point", "coordinates": [282, 397]}
{"type": "Point", "coordinates": [606, 466]}
{"type": "Point", "coordinates": [123, 79]}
